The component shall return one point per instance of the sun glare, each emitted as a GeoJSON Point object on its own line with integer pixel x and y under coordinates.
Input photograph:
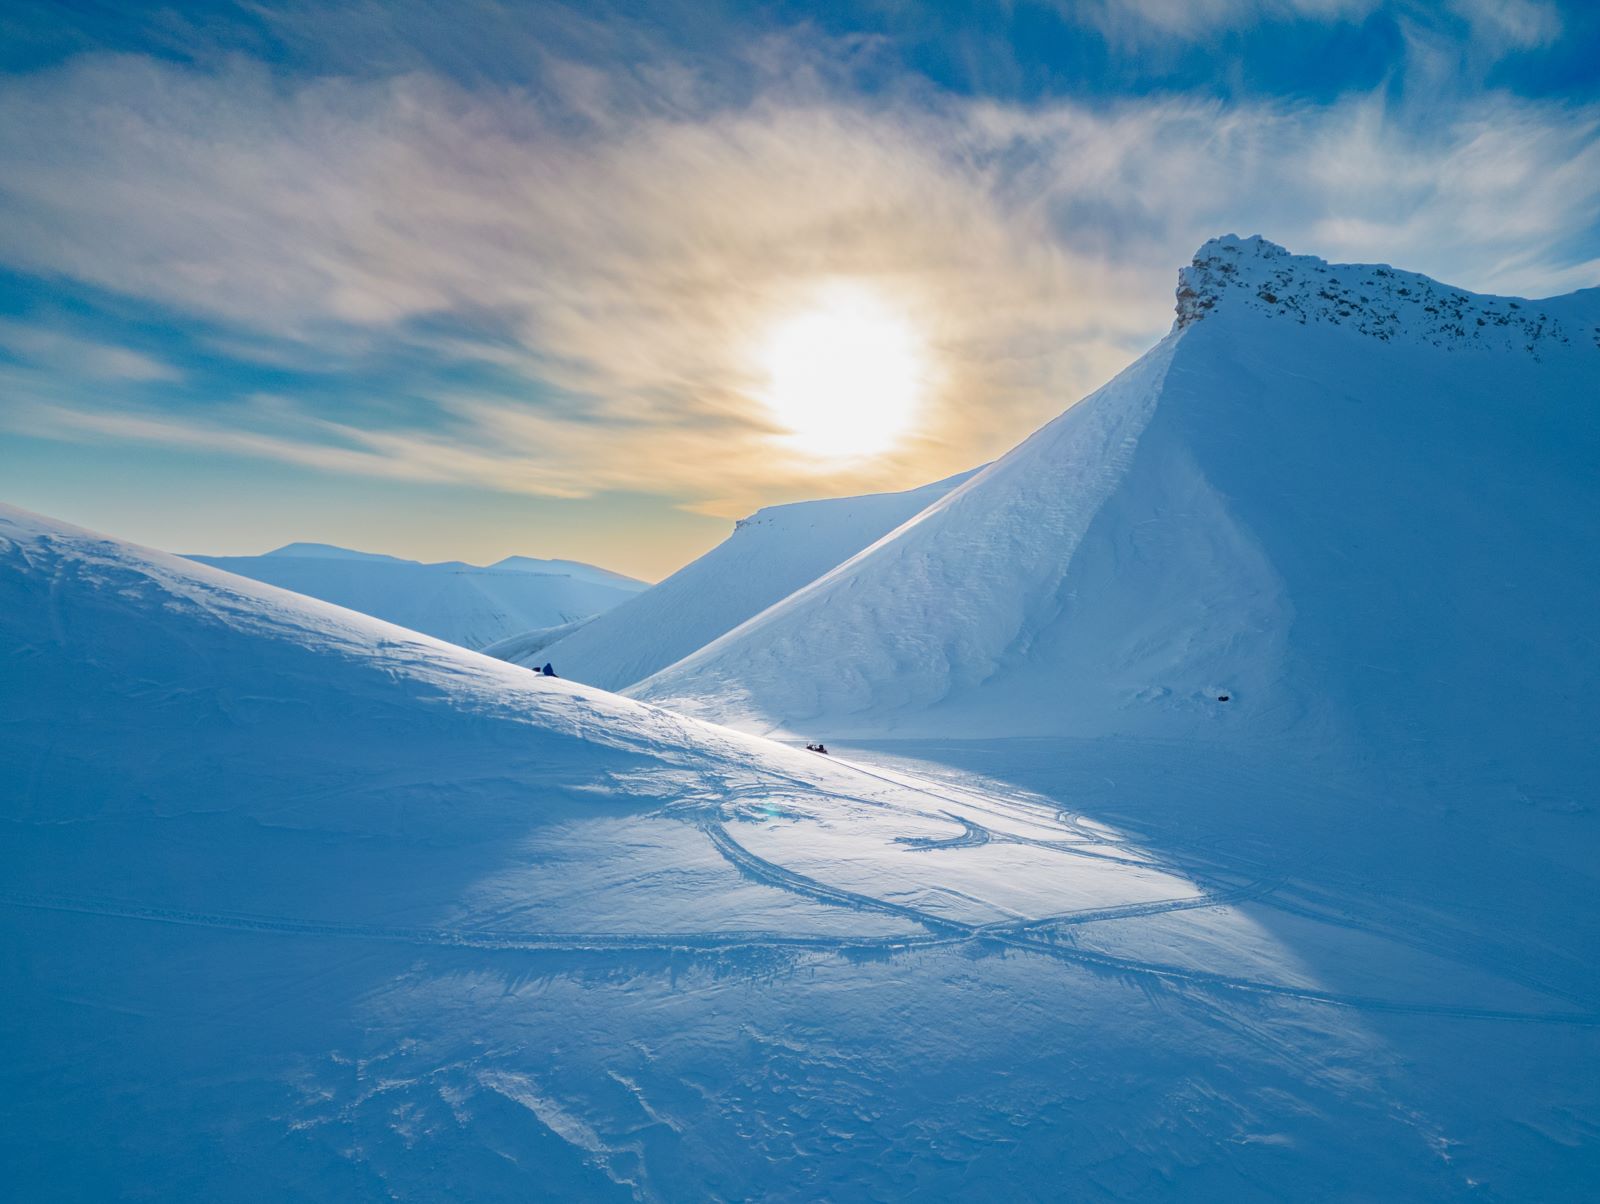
{"type": "Point", "coordinates": [845, 375]}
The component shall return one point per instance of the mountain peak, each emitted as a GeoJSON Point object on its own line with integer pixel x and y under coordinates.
{"type": "Point", "coordinates": [576, 569]}
{"type": "Point", "coordinates": [1374, 299]}
{"type": "Point", "coordinates": [1220, 265]}
{"type": "Point", "coordinates": [327, 551]}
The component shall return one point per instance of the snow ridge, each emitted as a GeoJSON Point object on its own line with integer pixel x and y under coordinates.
{"type": "Point", "coordinates": [1375, 299]}
{"type": "Point", "coordinates": [938, 606]}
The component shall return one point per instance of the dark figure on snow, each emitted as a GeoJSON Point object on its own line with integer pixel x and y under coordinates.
{"type": "Point", "coordinates": [548, 670]}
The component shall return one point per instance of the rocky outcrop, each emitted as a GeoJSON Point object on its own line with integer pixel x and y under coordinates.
{"type": "Point", "coordinates": [1375, 299]}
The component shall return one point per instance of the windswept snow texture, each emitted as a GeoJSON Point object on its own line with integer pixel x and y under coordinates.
{"type": "Point", "coordinates": [457, 602]}
{"type": "Point", "coordinates": [1344, 496]}
{"type": "Point", "coordinates": [295, 904]}
{"type": "Point", "coordinates": [769, 555]}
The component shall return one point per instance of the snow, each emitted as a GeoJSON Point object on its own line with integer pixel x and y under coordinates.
{"type": "Point", "coordinates": [769, 555]}
{"type": "Point", "coordinates": [1374, 525]}
{"type": "Point", "coordinates": [1254, 275]}
{"type": "Point", "coordinates": [295, 903]}
{"type": "Point", "coordinates": [524, 647]}
{"type": "Point", "coordinates": [567, 568]}
{"type": "Point", "coordinates": [305, 904]}
{"type": "Point", "coordinates": [458, 602]}
{"type": "Point", "coordinates": [325, 551]}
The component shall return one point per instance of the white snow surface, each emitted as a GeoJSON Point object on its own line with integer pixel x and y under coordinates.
{"type": "Point", "coordinates": [771, 554]}
{"type": "Point", "coordinates": [461, 603]}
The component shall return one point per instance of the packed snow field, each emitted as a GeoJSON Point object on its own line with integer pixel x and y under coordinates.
{"type": "Point", "coordinates": [298, 904]}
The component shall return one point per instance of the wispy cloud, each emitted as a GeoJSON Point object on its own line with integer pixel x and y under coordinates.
{"type": "Point", "coordinates": [1508, 25]}
{"type": "Point", "coordinates": [619, 243]}
{"type": "Point", "coordinates": [1492, 28]}
{"type": "Point", "coordinates": [63, 351]}
{"type": "Point", "coordinates": [1135, 20]}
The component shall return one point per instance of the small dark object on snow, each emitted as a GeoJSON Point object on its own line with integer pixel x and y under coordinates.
{"type": "Point", "coordinates": [821, 748]}
{"type": "Point", "coordinates": [1223, 697]}
{"type": "Point", "coordinates": [548, 670]}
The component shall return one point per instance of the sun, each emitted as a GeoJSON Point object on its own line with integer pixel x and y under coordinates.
{"type": "Point", "coordinates": [845, 374]}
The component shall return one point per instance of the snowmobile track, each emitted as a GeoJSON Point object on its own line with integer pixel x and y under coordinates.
{"type": "Point", "coordinates": [971, 837]}
{"type": "Point", "coordinates": [775, 875]}
{"type": "Point", "coordinates": [1015, 934]}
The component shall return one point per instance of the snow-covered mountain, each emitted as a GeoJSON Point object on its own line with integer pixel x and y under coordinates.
{"type": "Point", "coordinates": [575, 569]}
{"type": "Point", "coordinates": [301, 550]}
{"type": "Point", "coordinates": [299, 904]}
{"type": "Point", "coordinates": [1313, 582]}
{"type": "Point", "coordinates": [1345, 497]}
{"type": "Point", "coordinates": [461, 603]}
{"type": "Point", "coordinates": [295, 903]}
{"type": "Point", "coordinates": [771, 554]}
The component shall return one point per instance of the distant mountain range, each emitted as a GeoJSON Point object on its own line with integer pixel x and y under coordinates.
{"type": "Point", "coordinates": [463, 603]}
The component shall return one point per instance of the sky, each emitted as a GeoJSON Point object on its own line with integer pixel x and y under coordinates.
{"type": "Point", "coordinates": [466, 280]}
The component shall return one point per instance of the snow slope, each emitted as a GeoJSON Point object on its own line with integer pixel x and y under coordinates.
{"type": "Point", "coordinates": [1347, 497]}
{"type": "Point", "coordinates": [524, 647]}
{"type": "Point", "coordinates": [1364, 507]}
{"type": "Point", "coordinates": [452, 601]}
{"type": "Point", "coordinates": [298, 904]}
{"type": "Point", "coordinates": [769, 555]}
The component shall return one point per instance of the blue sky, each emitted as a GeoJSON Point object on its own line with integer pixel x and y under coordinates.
{"type": "Point", "coordinates": [466, 280]}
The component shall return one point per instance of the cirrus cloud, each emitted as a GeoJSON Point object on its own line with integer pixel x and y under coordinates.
{"type": "Point", "coordinates": [612, 248]}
